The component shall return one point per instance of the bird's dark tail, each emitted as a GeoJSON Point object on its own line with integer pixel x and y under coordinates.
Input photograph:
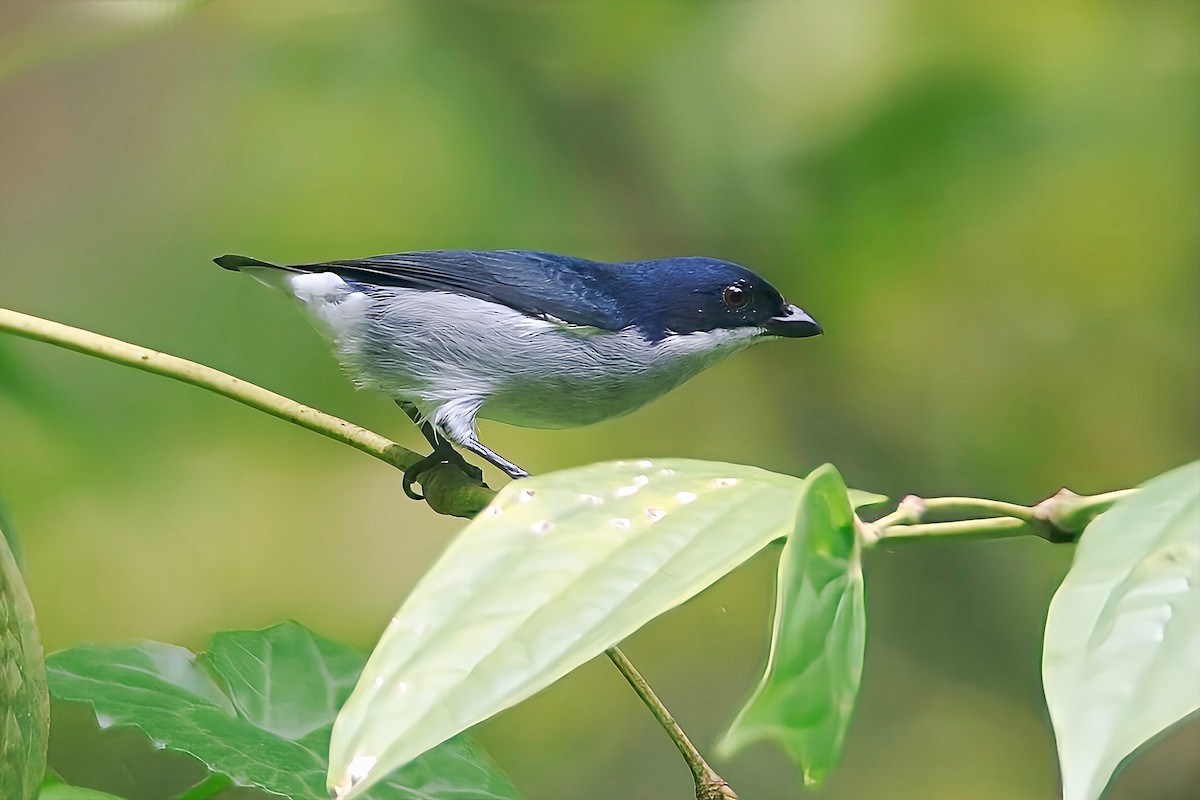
{"type": "Point", "coordinates": [237, 263]}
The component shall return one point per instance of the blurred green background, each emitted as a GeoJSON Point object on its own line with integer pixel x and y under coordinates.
{"type": "Point", "coordinates": [993, 209]}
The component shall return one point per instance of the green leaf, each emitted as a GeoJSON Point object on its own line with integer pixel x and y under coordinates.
{"type": "Point", "coordinates": [806, 696]}
{"type": "Point", "coordinates": [256, 707]}
{"type": "Point", "coordinates": [557, 569]}
{"type": "Point", "coordinates": [24, 701]}
{"type": "Point", "coordinates": [64, 791]}
{"type": "Point", "coordinates": [8, 533]}
{"type": "Point", "coordinates": [1122, 653]}
{"type": "Point", "coordinates": [54, 788]}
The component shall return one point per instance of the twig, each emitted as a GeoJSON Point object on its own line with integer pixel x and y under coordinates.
{"type": "Point", "coordinates": [993, 528]}
{"type": "Point", "coordinates": [709, 785]}
{"type": "Point", "coordinates": [446, 489]}
{"type": "Point", "coordinates": [1058, 519]}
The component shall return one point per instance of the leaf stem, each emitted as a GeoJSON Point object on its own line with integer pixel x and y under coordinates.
{"type": "Point", "coordinates": [1058, 519]}
{"type": "Point", "coordinates": [445, 494]}
{"type": "Point", "coordinates": [993, 528]}
{"type": "Point", "coordinates": [709, 785]}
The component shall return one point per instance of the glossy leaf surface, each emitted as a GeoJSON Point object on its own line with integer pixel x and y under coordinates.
{"type": "Point", "coordinates": [257, 708]}
{"type": "Point", "coordinates": [54, 788]}
{"type": "Point", "coordinates": [24, 702]}
{"type": "Point", "coordinates": [806, 695]}
{"type": "Point", "coordinates": [64, 791]}
{"type": "Point", "coordinates": [1122, 651]}
{"type": "Point", "coordinates": [556, 570]}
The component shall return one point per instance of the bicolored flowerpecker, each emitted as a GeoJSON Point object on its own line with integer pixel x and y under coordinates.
{"type": "Point", "coordinates": [527, 338]}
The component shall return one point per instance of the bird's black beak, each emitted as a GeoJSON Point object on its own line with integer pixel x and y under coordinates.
{"type": "Point", "coordinates": [793, 323]}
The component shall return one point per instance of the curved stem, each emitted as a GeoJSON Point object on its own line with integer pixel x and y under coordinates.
{"type": "Point", "coordinates": [446, 494]}
{"type": "Point", "coordinates": [447, 490]}
{"type": "Point", "coordinates": [913, 509]}
{"type": "Point", "coordinates": [976, 506]}
{"type": "Point", "coordinates": [1058, 519]}
{"type": "Point", "coordinates": [993, 528]}
{"type": "Point", "coordinates": [709, 785]}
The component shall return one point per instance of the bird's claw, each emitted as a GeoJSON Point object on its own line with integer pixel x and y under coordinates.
{"type": "Point", "coordinates": [448, 456]}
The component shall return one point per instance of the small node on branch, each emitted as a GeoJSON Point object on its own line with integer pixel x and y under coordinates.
{"type": "Point", "coordinates": [913, 508]}
{"type": "Point", "coordinates": [1063, 517]}
{"type": "Point", "coordinates": [713, 788]}
{"type": "Point", "coordinates": [867, 533]}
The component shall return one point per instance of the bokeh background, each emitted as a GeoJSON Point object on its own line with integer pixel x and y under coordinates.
{"type": "Point", "coordinates": [993, 208]}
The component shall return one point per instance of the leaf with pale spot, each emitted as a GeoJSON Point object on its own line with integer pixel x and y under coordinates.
{"type": "Point", "coordinates": [556, 570]}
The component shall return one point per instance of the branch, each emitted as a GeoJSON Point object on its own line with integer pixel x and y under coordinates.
{"type": "Point", "coordinates": [709, 785]}
{"type": "Point", "coordinates": [1058, 519]}
{"type": "Point", "coordinates": [447, 490]}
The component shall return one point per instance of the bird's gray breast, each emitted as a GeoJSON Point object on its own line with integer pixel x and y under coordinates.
{"type": "Point", "coordinates": [569, 377]}
{"type": "Point", "coordinates": [438, 347]}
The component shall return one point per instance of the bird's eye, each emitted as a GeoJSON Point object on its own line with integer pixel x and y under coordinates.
{"type": "Point", "coordinates": [735, 296]}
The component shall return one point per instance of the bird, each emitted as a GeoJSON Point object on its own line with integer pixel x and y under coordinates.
{"type": "Point", "coordinates": [528, 338]}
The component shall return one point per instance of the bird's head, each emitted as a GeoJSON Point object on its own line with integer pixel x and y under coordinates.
{"type": "Point", "coordinates": [695, 294]}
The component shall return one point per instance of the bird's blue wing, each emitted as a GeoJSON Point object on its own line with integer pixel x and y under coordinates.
{"type": "Point", "coordinates": [571, 290]}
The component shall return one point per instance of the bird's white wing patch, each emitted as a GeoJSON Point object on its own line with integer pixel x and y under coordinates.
{"type": "Point", "coordinates": [332, 301]}
{"type": "Point", "coordinates": [315, 287]}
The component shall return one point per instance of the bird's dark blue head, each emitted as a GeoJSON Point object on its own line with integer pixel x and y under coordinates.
{"type": "Point", "coordinates": [693, 294]}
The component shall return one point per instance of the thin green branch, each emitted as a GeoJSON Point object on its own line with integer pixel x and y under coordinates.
{"type": "Point", "coordinates": [1058, 519]}
{"type": "Point", "coordinates": [446, 489]}
{"type": "Point", "coordinates": [992, 528]}
{"type": "Point", "coordinates": [709, 785]}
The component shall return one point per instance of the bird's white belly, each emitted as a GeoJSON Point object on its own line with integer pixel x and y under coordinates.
{"type": "Point", "coordinates": [567, 401]}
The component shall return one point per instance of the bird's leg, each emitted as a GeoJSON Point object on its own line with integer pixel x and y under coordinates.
{"type": "Point", "coordinates": [426, 429]}
{"type": "Point", "coordinates": [511, 469]}
{"type": "Point", "coordinates": [443, 453]}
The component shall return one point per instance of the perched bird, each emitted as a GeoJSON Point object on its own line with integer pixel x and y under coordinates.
{"type": "Point", "coordinates": [532, 339]}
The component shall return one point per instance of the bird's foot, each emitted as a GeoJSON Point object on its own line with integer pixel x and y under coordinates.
{"type": "Point", "coordinates": [441, 455]}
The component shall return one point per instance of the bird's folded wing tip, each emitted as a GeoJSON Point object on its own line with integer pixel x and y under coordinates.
{"type": "Point", "coordinates": [236, 262]}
